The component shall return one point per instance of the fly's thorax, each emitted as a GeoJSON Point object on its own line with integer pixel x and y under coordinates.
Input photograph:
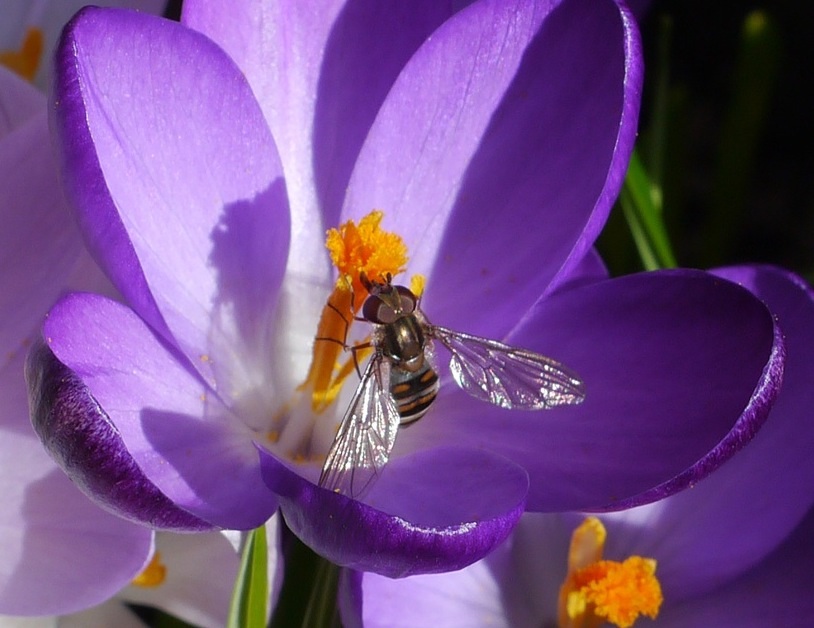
{"type": "Point", "coordinates": [402, 342]}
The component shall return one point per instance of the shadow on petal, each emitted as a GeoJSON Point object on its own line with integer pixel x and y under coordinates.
{"type": "Point", "coordinates": [80, 437]}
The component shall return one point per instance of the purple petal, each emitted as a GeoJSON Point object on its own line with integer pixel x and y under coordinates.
{"type": "Point", "coordinates": [468, 597]}
{"type": "Point", "coordinates": [435, 511]}
{"type": "Point", "coordinates": [148, 407]}
{"type": "Point", "coordinates": [60, 552]}
{"type": "Point", "coordinates": [38, 246]}
{"type": "Point", "coordinates": [673, 363]}
{"type": "Point", "coordinates": [279, 48]}
{"type": "Point", "coordinates": [698, 550]}
{"type": "Point", "coordinates": [79, 436]}
{"type": "Point", "coordinates": [777, 592]}
{"type": "Point", "coordinates": [516, 585]}
{"type": "Point", "coordinates": [19, 102]}
{"type": "Point", "coordinates": [509, 130]}
{"type": "Point", "coordinates": [175, 179]}
{"type": "Point", "coordinates": [320, 75]}
{"type": "Point", "coordinates": [590, 269]}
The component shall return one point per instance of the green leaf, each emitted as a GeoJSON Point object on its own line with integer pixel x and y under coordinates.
{"type": "Point", "coordinates": [641, 203]}
{"type": "Point", "coordinates": [250, 597]}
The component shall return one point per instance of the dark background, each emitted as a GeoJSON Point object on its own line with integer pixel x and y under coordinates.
{"type": "Point", "coordinates": [769, 216]}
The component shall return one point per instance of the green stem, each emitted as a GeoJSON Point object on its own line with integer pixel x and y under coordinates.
{"type": "Point", "coordinates": [250, 598]}
{"type": "Point", "coordinates": [641, 203]}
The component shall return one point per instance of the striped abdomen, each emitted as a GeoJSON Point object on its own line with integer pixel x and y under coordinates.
{"type": "Point", "coordinates": [414, 391]}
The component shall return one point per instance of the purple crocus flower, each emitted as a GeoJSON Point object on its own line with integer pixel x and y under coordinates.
{"type": "Point", "coordinates": [494, 139]}
{"type": "Point", "coordinates": [735, 550]}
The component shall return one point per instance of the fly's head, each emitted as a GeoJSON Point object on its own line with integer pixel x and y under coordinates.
{"type": "Point", "coordinates": [386, 303]}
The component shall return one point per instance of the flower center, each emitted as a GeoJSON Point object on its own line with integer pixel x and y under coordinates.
{"type": "Point", "coordinates": [26, 60]}
{"type": "Point", "coordinates": [153, 574]}
{"type": "Point", "coordinates": [354, 249]}
{"type": "Point", "coordinates": [597, 591]}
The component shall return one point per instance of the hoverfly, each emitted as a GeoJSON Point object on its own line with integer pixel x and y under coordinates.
{"type": "Point", "coordinates": [400, 383]}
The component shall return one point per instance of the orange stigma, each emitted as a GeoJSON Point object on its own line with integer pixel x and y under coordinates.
{"type": "Point", "coordinates": [26, 60]}
{"type": "Point", "coordinates": [354, 249]}
{"type": "Point", "coordinates": [596, 591]}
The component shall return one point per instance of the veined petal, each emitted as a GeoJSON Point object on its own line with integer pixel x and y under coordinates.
{"type": "Point", "coordinates": [320, 73]}
{"type": "Point", "coordinates": [671, 384]}
{"type": "Point", "coordinates": [509, 129]}
{"type": "Point", "coordinates": [147, 409]}
{"type": "Point", "coordinates": [436, 511]}
{"type": "Point", "coordinates": [279, 47]}
{"type": "Point", "coordinates": [175, 179]}
{"type": "Point", "coordinates": [80, 438]}
{"type": "Point", "coordinates": [739, 514]}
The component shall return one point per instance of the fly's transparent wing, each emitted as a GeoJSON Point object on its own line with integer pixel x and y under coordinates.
{"type": "Point", "coordinates": [507, 376]}
{"type": "Point", "coordinates": [366, 434]}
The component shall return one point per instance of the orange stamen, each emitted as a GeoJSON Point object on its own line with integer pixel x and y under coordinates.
{"type": "Point", "coordinates": [153, 574]}
{"type": "Point", "coordinates": [354, 249]}
{"type": "Point", "coordinates": [26, 60]}
{"type": "Point", "coordinates": [597, 591]}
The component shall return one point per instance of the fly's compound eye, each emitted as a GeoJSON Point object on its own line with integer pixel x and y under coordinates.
{"type": "Point", "coordinates": [388, 306]}
{"type": "Point", "coordinates": [377, 311]}
{"type": "Point", "coordinates": [407, 298]}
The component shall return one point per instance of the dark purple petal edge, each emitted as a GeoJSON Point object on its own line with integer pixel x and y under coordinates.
{"type": "Point", "coordinates": [744, 429]}
{"type": "Point", "coordinates": [83, 441]}
{"type": "Point", "coordinates": [353, 534]}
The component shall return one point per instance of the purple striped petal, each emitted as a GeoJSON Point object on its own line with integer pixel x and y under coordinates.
{"type": "Point", "coordinates": [175, 179]}
{"type": "Point", "coordinates": [509, 130]}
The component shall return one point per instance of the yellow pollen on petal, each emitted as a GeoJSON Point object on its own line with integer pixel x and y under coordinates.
{"type": "Point", "coordinates": [354, 249]}
{"type": "Point", "coordinates": [26, 60]}
{"type": "Point", "coordinates": [153, 574]}
{"type": "Point", "coordinates": [597, 591]}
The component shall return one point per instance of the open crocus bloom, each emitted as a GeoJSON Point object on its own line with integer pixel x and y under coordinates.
{"type": "Point", "coordinates": [493, 139]}
{"type": "Point", "coordinates": [735, 550]}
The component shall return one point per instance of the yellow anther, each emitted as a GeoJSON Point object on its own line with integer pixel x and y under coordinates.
{"type": "Point", "coordinates": [26, 60]}
{"type": "Point", "coordinates": [153, 574]}
{"type": "Point", "coordinates": [597, 591]}
{"type": "Point", "coordinates": [417, 283]}
{"type": "Point", "coordinates": [354, 249]}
